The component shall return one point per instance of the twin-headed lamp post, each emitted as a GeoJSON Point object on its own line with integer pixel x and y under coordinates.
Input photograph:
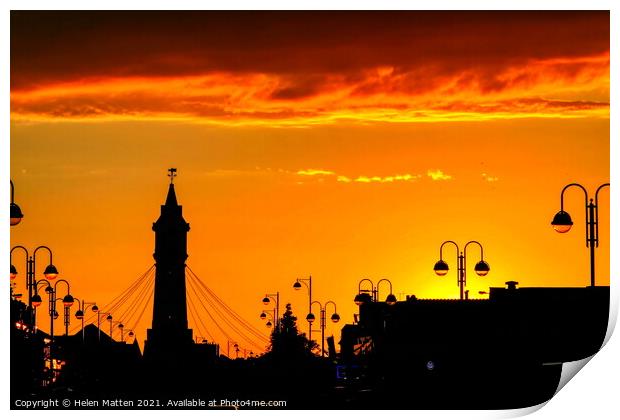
{"type": "Point", "coordinates": [562, 221]}
{"type": "Point", "coordinates": [275, 298]}
{"type": "Point", "coordinates": [271, 314]}
{"type": "Point", "coordinates": [50, 273]}
{"type": "Point", "coordinates": [363, 295]}
{"type": "Point", "coordinates": [52, 291]}
{"type": "Point", "coordinates": [441, 267]}
{"type": "Point", "coordinates": [323, 320]}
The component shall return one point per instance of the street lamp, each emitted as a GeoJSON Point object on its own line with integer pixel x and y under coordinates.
{"type": "Point", "coordinates": [235, 346]}
{"type": "Point", "coordinates": [441, 268]}
{"type": "Point", "coordinates": [121, 327]}
{"type": "Point", "coordinates": [16, 212]}
{"type": "Point", "coordinates": [372, 294]}
{"type": "Point", "coordinates": [323, 320]}
{"type": "Point", "coordinates": [130, 334]}
{"type": "Point", "coordinates": [66, 316]}
{"type": "Point", "coordinates": [80, 313]}
{"type": "Point", "coordinates": [275, 297]}
{"type": "Point", "coordinates": [108, 318]}
{"type": "Point", "coordinates": [52, 292]}
{"type": "Point", "coordinates": [562, 221]}
{"type": "Point", "coordinates": [297, 286]}
{"type": "Point", "coordinates": [50, 273]}
{"type": "Point", "coordinates": [271, 313]}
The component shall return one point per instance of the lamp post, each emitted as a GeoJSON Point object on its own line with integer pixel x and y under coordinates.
{"type": "Point", "coordinates": [562, 221]}
{"type": "Point", "coordinates": [271, 313]}
{"type": "Point", "coordinates": [323, 319]}
{"type": "Point", "coordinates": [441, 267]}
{"type": "Point", "coordinates": [50, 273]}
{"type": "Point", "coordinates": [297, 286]}
{"type": "Point", "coordinates": [130, 334]}
{"type": "Point", "coordinates": [275, 297]}
{"type": "Point", "coordinates": [108, 318]}
{"type": "Point", "coordinates": [121, 327]}
{"type": "Point", "coordinates": [80, 313]}
{"type": "Point", "coordinates": [16, 212]}
{"type": "Point", "coordinates": [52, 291]}
{"type": "Point", "coordinates": [364, 297]}
{"type": "Point", "coordinates": [235, 346]}
{"type": "Point", "coordinates": [66, 316]}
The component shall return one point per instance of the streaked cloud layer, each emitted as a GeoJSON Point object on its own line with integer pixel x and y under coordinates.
{"type": "Point", "coordinates": [434, 175]}
{"type": "Point", "coordinates": [294, 69]}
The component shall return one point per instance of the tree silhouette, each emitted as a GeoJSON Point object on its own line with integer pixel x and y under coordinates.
{"type": "Point", "coordinates": [287, 343]}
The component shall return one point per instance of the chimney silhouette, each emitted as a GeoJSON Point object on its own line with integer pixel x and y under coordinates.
{"type": "Point", "coordinates": [169, 335]}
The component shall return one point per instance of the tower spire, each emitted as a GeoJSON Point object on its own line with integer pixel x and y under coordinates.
{"type": "Point", "coordinates": [172, 172]}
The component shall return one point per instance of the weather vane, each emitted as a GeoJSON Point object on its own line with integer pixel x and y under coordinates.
{"type": "Point", "coordinates": [172, 172]}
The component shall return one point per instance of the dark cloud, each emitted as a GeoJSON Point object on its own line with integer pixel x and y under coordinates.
{"type": "Point", "coordinates": [61, 46]}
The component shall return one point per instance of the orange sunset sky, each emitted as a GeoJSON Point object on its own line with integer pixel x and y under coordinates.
{"type": "Point", "coordinates": [344, 145]}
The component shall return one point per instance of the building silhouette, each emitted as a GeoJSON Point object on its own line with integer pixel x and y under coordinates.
{"type": "Point", "coordinates": [503, 352]}
{"type": "Point", "coordinates": [169, 347]}
{"type": "Point", "coordinates": [169, 335]}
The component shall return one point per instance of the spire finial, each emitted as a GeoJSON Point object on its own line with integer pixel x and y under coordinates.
{"type": "Point", "coordinates": [172, 172]}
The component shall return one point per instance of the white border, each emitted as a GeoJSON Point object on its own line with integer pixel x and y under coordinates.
{"type": "Point", "coordinates": [595, 390]}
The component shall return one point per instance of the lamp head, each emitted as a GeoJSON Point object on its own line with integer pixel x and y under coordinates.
{"type": "Point", "coordinates": [562, 222]}
{"type": "Point", "coordinates": [310, 317]}
{"type": "Point", "coordinates": [16, 214]}
{"type": "Point", "coordinates": [391, 299]}
{"type": "Point", "coordinates": [441, 268]}
{"type": "Point", "coordinates": [50, 272]}
{"type": "Point", "coordinates": [13, 272]}
{"type": "Point", "coordinates": [130, 333]}
{"type": "Point", "coordinates": [36, 301]}
{"type": "Point", "coordinates": [263, 315]}
{"type": "Point", "coordinates": [49, 289]}
{"type": "Point", "coordinates": [79, 314]}
{"type": "Point", "coordinates": [67, 301]}
{"type": "Point", "coordinates": [335, 318]}
{"type": "Point", "coordinates": [297, 285]}
{"type": "Point", "coordinates": [109, 317]}
{"type": "Point", "coordinates": [268, 324]}
{"type": "Point", "coordinates": [95, 308]}
{"type": "Point", "coordinates": [121, 326]}
{"type": "Point", "coordinates": [266, 300]}
{"type": "Point", "coordinates": [362, 298]}
{"type": "Point", "coordinates": [482, 268]}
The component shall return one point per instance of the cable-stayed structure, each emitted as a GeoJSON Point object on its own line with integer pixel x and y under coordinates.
{"type": "Point", "coordinates": [183, 307]}
{"type": "Point", "coordinates": [210, 317]}
{"type": "Point", "coordinates": [130, 298]}
{"type": "Point", "coordinates": [227, 320]}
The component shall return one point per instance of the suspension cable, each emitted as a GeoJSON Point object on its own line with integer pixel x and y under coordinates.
{"type": "Point", "coordinates": [118, 300]}
{"type": "Point", "coordinates": [229, 310]}
{"type": "Point", "coordinates": [232, 326]}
